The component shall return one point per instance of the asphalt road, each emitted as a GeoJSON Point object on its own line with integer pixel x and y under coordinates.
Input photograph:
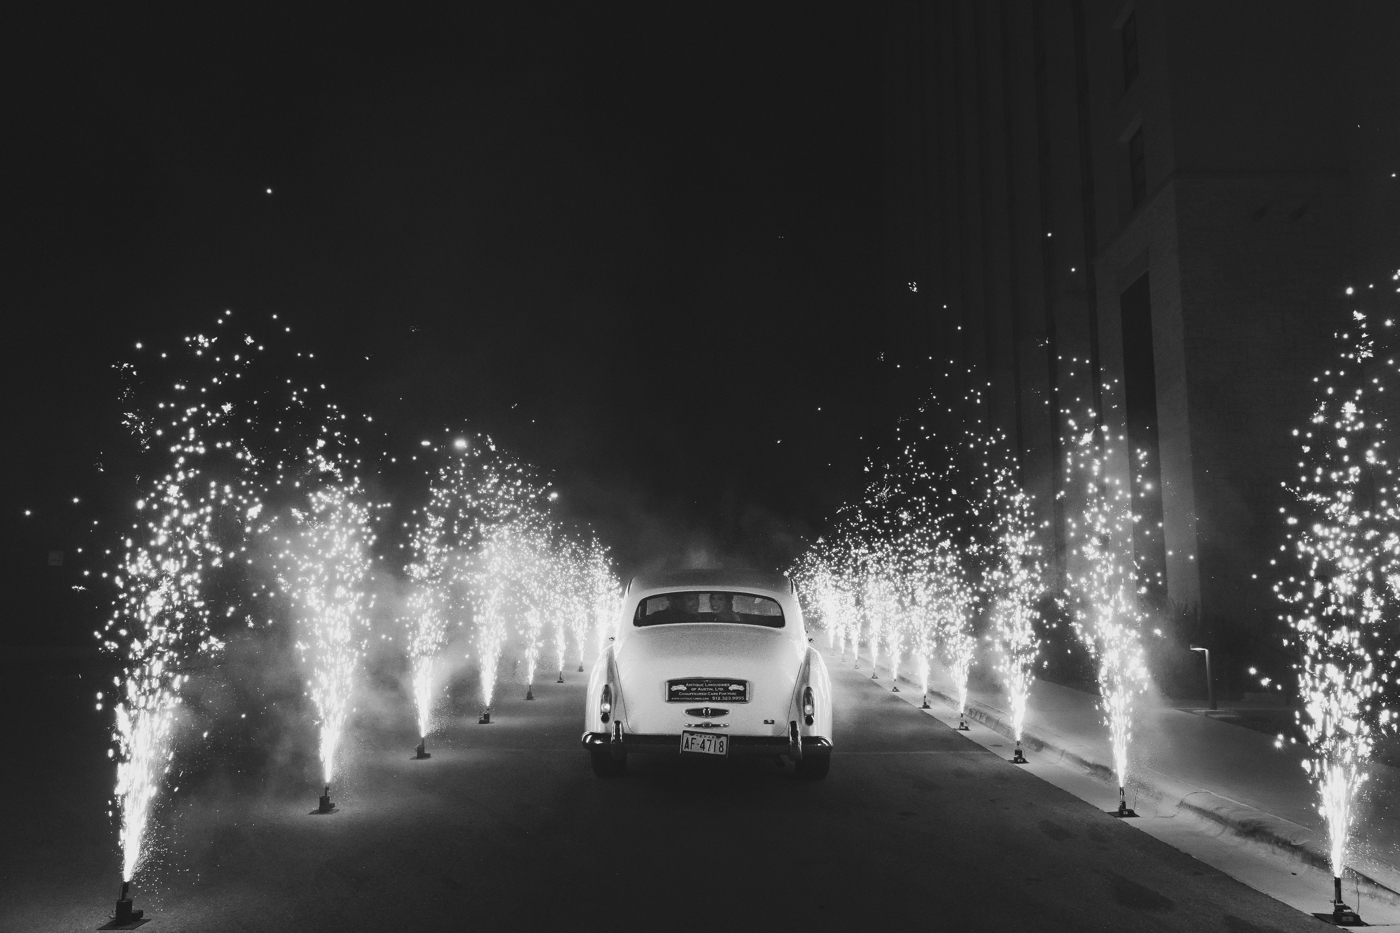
{"type": "Point", "coordinates": [506, 828]}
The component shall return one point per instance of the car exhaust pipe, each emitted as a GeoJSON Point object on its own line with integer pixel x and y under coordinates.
{"type": "Point", "coordinates": [794, 741]}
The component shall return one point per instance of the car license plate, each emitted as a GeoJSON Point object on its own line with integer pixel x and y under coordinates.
{"type": "Point", "coordinates": [704, 743]}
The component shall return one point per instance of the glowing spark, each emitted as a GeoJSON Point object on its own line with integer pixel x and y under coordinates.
{"type": "Point", "coordinates": [326, 566]}
{"type": "Point", "coordinates": [1103, 583]}
{"type": "Point", "coordinates": [1342, 589]}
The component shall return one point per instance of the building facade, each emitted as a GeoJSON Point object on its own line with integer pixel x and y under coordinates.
{"type": "Point", "coordinates": [1155, 208]}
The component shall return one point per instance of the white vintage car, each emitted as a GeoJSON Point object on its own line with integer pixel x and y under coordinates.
{"type": "Point", "coordinates": [709, 663]}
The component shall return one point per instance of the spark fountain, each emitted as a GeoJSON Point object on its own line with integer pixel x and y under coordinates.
{"type": "Point", "coordinates": [1015, 582]}
{"type": "Point", "coordinates": [582, 622]}
{"type": "Point", "coordinates": [534, 625]}
{"type": "Point", "coordinates": [439, 530]}
{"type": "Point", "coordinates": [921, 665]}
{"type": "Point", "coordinates": [942, 531]}
{"type": "Point", "coordinates": [954, 601]}
{"type": "Point", "coordinates": [899, 627]}
{"type": "Point", "coordinates": [325, 563]}
{"type": "Point", "coordinates": [567, 601]}
{"type": "Point", "coordinates": [501, 590]}
{"type": "Point", "coordinates": [824, 592]}
{"type": "Point", "coordinates": [878, 601]}
{"type": "Point", "coordinates": [491, 595]}
{"type": "Point", "coordinates": [203, 443]}
{"type": "Point", "coordinates": [1103, 585]}
{"type": "Point", "coordinates": [480, 500]}
{"type": "Point", "coordinates": [429, 626]}
{"type": "Point", "coordinates": [1342, 592]}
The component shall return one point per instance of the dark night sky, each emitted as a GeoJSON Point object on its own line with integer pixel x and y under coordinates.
{"type": "Point", "coordinates": [637, 243]}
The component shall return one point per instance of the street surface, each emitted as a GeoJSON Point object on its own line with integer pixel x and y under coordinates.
{"type": "Point", "coordinates": [506, 828]}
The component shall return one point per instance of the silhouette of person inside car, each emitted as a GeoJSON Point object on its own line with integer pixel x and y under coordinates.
{"type": "Point", "coordinates": [722, 608]}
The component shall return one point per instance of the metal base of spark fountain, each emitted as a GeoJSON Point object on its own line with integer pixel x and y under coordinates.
{"type": "Point", "coordinates": [1124, 812]}
{"type": "Point", "coordinates": [125, 917]}
{"type": "Point", "coordinates": [485, 719]}
{"type": "Point", "coordinates": [1341, 915]}
{"type": "Point", "coordinates": [580, 668]}
{"type": "Point", "coordinates": [561, 676]}
{"type": "Point", "coordinates": [874, 676]}
{"type": "Point", "coordinates": [324, 804]}
{"type": "Point", "coordinates": [925, 706]}
{"type": "Point", "coordinates": [422, 751]}
{"type": "Point", "coordinates": [1019, 758]}
{"type": "Point", "coordinates": [962, 723]}
{"type": "Point", "coordinates": [894, 689]}
{"type": "Point", "coordinates": [529, 692]}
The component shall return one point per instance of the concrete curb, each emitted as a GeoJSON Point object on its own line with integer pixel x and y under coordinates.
{"type": "Point", "coordinates": [1248, 823]}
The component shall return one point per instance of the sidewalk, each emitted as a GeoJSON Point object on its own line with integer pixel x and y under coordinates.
{"type": "Point", "coordinates": [1227, 773]}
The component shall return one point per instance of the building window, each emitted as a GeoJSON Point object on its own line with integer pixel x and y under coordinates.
{"type": "Point", "coordinates": [1128, 35]}
{"type": "Point", "coordinates": [1137, 168]}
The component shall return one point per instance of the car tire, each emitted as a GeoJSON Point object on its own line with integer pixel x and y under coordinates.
{"type": "Point", "coordinates": [605, 765]}
{"type": "Point", "coordinates": [813, 766]}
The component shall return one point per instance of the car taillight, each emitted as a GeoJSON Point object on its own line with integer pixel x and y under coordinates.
{"type": "Point", "coordinates": [605, 707]}
{"type": "Point", "coordinates": [809, 706]}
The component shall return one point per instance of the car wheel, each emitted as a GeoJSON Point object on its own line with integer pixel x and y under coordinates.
{"type": "Point", "coordinates": [814, 765]}
{"type": "Point", "coordinates": [604, 764]}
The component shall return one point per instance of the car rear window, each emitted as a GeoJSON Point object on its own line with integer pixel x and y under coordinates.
{"type": "Point", "coordinates": [736, 608]}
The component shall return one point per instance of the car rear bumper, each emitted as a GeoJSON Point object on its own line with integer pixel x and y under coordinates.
{"type": "Point", "coordinates": [738, 744]}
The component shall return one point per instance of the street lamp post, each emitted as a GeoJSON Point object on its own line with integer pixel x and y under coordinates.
{"type": "Point", "coordinates": [1210, 684]}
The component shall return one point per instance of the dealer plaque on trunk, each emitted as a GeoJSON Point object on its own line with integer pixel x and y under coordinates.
{"type": "Point", "coordinates": [706, 690]}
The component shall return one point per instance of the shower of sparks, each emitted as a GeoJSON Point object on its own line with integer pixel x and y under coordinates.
{"type": "Point", "coordinates": [486, 554]}
{"type": "Point", "coordinates": [428, 618]}
{"type": "Point", "coordinates": [1343, 587]}
{"type": "Point", "coordinates": [325, 568]}
{"type": "Point", "coordinates": [954, 603]}
{"type": "Point", "coordinates": [944, 528]}
{"type": "Point", "coordinates": [604, 593]}
{"type": "Point", "coordinates": [567, 610]}
{"type": "Point", "coordinates": [208, 438]}
{"type": "Point", "coordinates": [243, 460]}
{"type": "Point", "coordinates": [877, 600]}
{"type": "Point", "coordinates": [468, 550]}
{"type": "Point", "coordinates": [824, 587]}
{"type": "Point", "coordinates": [1103, 581]}
{"type": "Point", "coordinates": [533, 581]}
{"type": "Point", "coordinates": [496, 597]}
{"type": "Point", "coordinates": [1015, 583]}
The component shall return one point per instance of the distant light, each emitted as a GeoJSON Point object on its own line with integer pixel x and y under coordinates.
{"type": "Point", "coordinates": [553, 496]}
{"type": "Point", "coordinates": [460, 443]}
{"type": "Point", "coordinates": [269, 190]}
{"type": "Point", "coordinates": [1350, 289]}
{"type": "Point", "coordinates": [427, 443]}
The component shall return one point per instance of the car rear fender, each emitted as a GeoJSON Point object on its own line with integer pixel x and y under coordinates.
{"type": "Point", "coordinates": [812, 674]}
{"type": "Point", "coordinates": [604, 674]}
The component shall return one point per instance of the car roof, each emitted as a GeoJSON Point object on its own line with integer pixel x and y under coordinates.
{"type": "Point", "coordinates": [746, 579]}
